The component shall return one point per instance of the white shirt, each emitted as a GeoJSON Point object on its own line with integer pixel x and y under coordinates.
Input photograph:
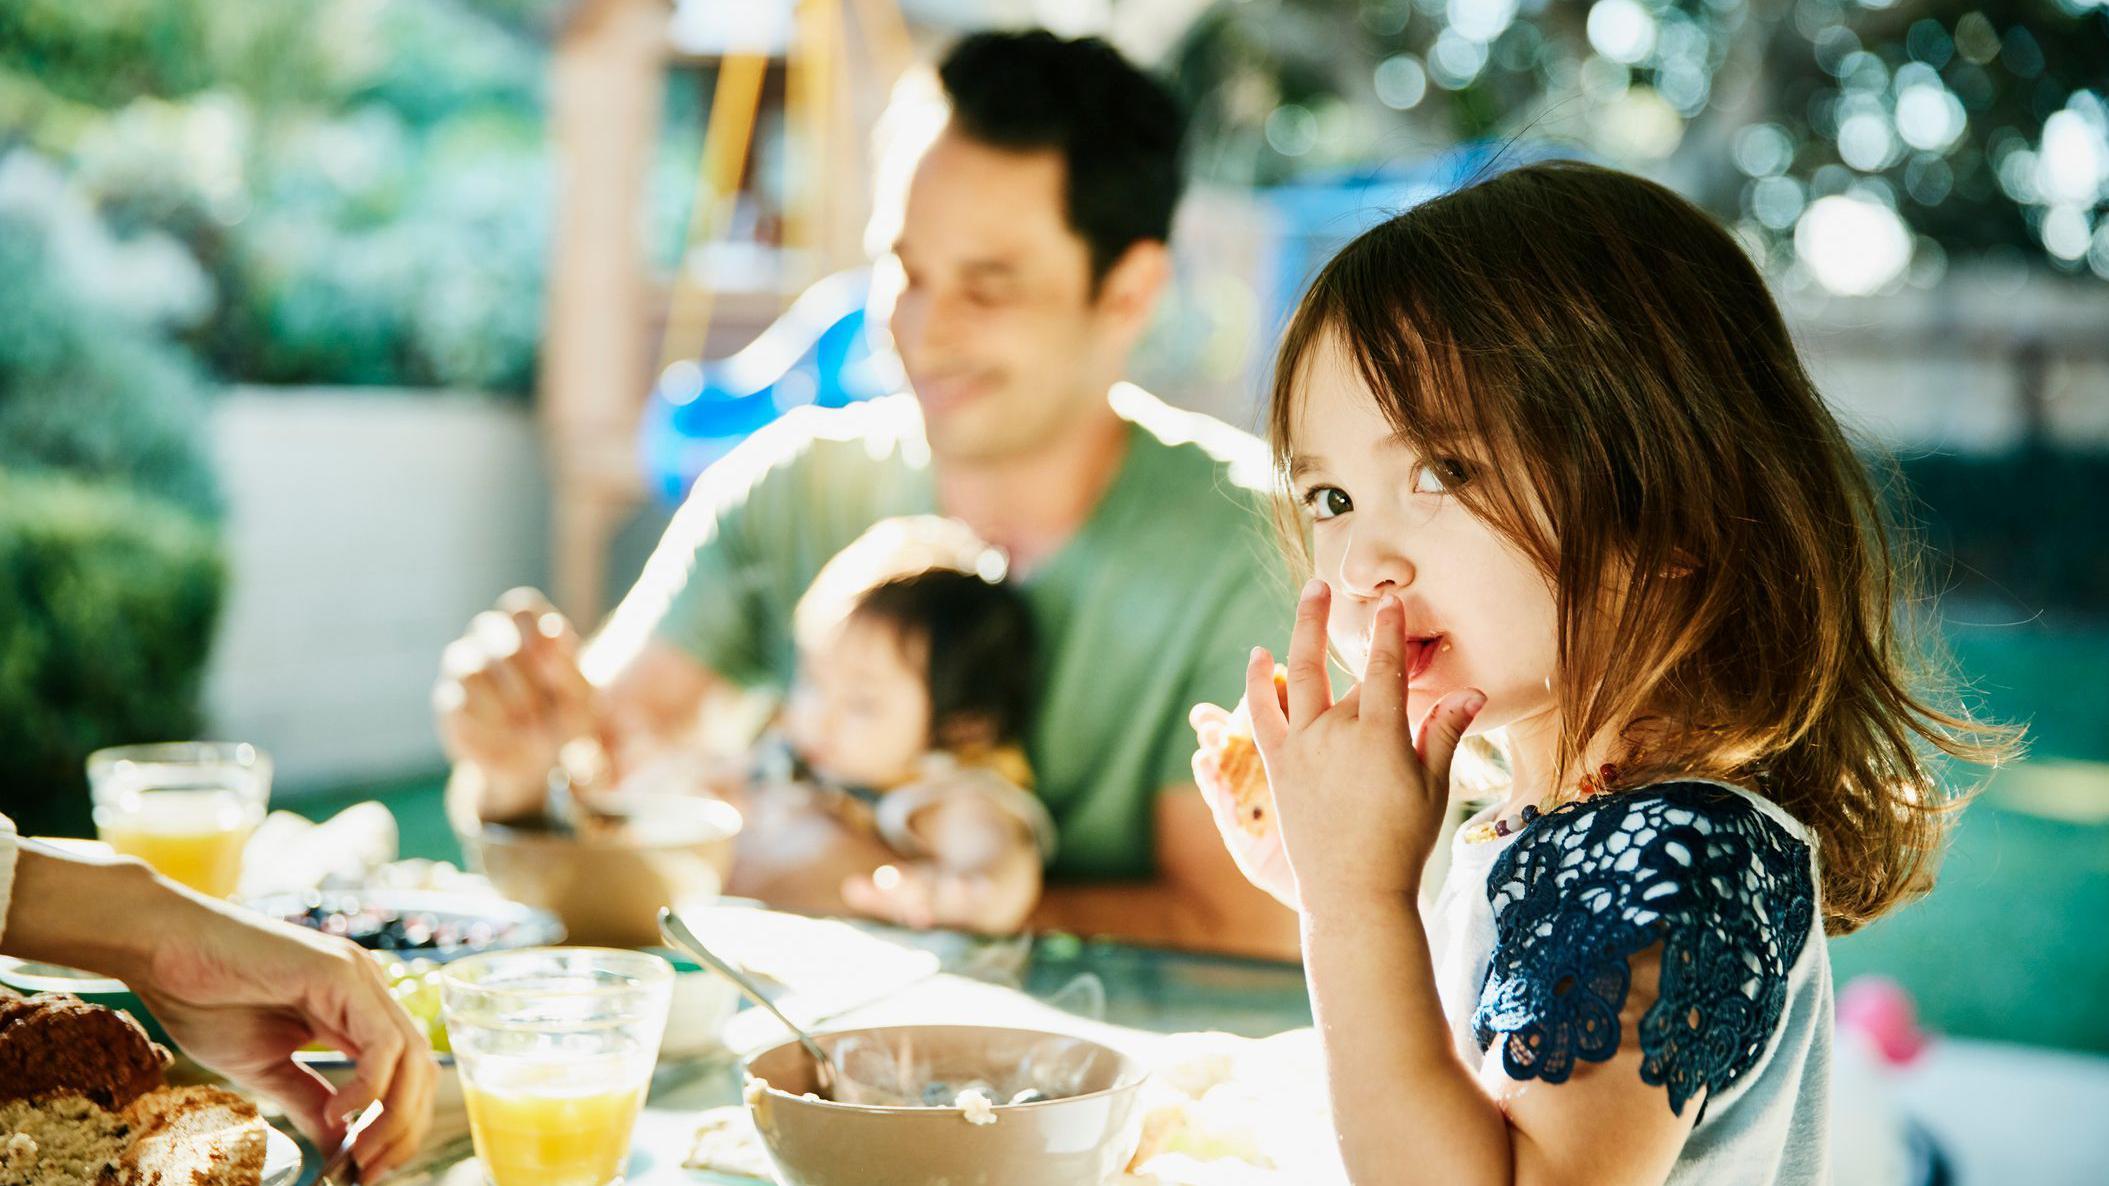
{"type": "Point", "coordinates": [8, 846]}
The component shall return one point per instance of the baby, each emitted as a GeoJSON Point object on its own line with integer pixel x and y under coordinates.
{"type": "Point", "coordinates": [897, 785]}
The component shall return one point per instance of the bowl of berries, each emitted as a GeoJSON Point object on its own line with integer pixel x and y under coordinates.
{"type": "Point", "coordinates": [417, 924]}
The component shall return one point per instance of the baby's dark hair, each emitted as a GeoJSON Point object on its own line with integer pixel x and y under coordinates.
{"type": "Point", "coordinates": [975, 639]}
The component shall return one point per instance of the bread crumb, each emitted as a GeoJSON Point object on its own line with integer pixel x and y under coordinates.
{"type": "Point", "coordinates": [977, 1105]}
{"type": "Point", "coordinates": [18, 1152]}
{"type": "Point", "coordinates": [726, 1143]}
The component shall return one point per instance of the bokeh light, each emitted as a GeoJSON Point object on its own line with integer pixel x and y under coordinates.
{"type": "Point", "coordinates": [1456, 60]}
{"type": "Point", "coordinates": [2072, 166]}
{"type": "Point", "coordinates": [1481, 20]}
{"type": "Point", "coordinates": [1762, 150]}
{"type": "Point", "coordinates": [1292, 130]}
{"type": "Point", "coordinates": [1852, 246]}
{"type": "Point", "coordinates": [1401, 82]}
{"type": "Point", "coordinates": [1621, 30]}
{"type": "Point", "coordinates": [1929, 116]}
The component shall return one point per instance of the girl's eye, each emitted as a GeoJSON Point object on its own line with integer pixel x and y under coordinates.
{"type": "Point", "coordinates": [1327, 502]}
{"type": "Point", "coordinates": [1440, 476]}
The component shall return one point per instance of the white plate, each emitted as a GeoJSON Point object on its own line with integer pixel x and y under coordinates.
{"type": "Point", "coordinates": [282, 1159]}
{"type": "Point", "coordinates": [29, 976]}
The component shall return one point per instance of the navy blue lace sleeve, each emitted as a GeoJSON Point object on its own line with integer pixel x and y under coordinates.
{"type": "Point", "coordinates": [1722, 887]}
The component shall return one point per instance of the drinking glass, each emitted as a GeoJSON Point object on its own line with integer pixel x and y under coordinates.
{"type": "Point", "coordinates": [555, 1046]}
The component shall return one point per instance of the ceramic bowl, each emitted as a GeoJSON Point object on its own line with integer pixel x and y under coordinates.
{"type": "Point", "coordinates": [1086, 1136]}
{"type": "Point", "coordinates": [607, 888]}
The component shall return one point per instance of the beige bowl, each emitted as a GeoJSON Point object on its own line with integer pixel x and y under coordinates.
{"type": "Point", "coordinates": [671, 850]}
{"type": "Point", "coordinates": [1079, 1139]}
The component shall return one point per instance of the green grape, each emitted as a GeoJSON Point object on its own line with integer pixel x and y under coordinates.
{"type": "Point", "coordinates": [415, 986]}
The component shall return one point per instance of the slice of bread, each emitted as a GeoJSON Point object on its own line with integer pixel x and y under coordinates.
{"type": "Point", "coordinates": [55, 1044]}
{"type": "Point", "coordinates": [61, 1141]}
{"type": "Point", "coordinates": [172, 1136]}
{"type": "Point", "coordinates": [1246, 778]}
{"type": "Point", "coordinates": [81, 1104]}
{"type": "Point", "coordinates": [192, 1136]}
{"type": "Point", "coordinates": [1244, 775]}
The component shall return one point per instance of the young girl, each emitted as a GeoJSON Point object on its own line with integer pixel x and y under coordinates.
{"type": "Point", "coordinates": [1566, 487]}
{"type": "Point", "coordinates": [898, 785]}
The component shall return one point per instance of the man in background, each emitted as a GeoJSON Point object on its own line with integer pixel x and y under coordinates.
{"type": "Point", "coordinates": [1030, 251]}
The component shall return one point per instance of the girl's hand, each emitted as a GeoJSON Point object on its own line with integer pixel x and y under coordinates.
{"type": "Point", "coordinates": [1258, 853]}
{"type": "Point", "coordinates": [1360, 801]}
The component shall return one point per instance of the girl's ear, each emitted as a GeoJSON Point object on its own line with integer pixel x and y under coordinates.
{"type": "Point", "coordinates": [967, 732]}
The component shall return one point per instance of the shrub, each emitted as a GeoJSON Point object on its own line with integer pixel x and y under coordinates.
{"type": "Point", "coordinates": [107, 604]}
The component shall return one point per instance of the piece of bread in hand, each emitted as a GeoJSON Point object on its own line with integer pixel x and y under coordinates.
{"type": "Point", "coordinates": [1244, 776]}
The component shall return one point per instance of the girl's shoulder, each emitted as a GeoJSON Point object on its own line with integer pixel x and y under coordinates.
{"type": "Point", "coordinates": [1660, 818]}
{"type": "Point", "coordinates": [1721, 881]}
{"type": "Point", "coordinates": [1672, 853]}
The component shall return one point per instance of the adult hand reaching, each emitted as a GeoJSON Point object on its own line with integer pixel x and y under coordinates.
{"type": "Point", "coordinates": [510, 696]}
{"type": "Point", "coordinates": [238, 992]}
{"type": "Point", "coordinates": [241, 995]}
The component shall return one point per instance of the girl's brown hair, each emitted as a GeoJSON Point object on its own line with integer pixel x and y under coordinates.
{"type": "Point", "coordinates": [1733, 601]}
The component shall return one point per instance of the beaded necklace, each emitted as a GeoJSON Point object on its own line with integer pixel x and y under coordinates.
{"type": "Point", "coordinates": [1493, 829]}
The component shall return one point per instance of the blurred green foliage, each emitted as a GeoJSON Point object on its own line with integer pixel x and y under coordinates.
{"type": "Point", "coordinates": [107, 604]}
{"type": "Point", "coordinates": [110, 569]}
{"type": "Point", "coordinates": [87, 392]}
{"type": "Point", "coordinates": [364, 183]}
{"type": "Point", "coordinates": [1980, 124]}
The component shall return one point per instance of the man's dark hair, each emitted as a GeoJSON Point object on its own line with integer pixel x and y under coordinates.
{"type": "Point", "coordinates": [977, 643]}
{"type": "Point", "coordinates": [1118, 129]}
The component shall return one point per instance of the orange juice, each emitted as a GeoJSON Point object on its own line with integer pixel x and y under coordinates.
{"type": "Point", "coordinates": [546, 1131]}
{"type": "Point", "coordinates": [195, 837]}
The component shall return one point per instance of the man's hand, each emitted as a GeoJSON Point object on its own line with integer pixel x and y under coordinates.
{"type": "Point", "coordinates": [511, 696]}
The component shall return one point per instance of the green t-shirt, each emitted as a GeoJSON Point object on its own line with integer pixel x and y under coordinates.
{"type": "Point", "coordinates": [1150, 607]}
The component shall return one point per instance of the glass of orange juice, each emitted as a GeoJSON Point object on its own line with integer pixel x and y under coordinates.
{"type": "Point", "coordinates": [555, 1046]}
{"type": "Point", "coordinates": [187, 808]}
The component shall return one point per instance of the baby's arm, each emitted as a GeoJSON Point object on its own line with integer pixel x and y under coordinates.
{"type": "Point", "coordinates": [1408, 1108]}
{"type": "Point", "coordinates": [969, 833]}
{"type": "Point", "coordinates": [984, 863]}
{"type": "Point", "coordinates": [794, 853]}
{"type": "Point", "coordinates": [972, 858]}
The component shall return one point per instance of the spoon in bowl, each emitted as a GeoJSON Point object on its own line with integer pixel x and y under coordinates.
{"type": "Point", "coordinates": [676, 933]}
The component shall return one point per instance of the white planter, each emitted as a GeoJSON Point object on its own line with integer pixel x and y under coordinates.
{"type": "Point", "coordinates": [364, 528]}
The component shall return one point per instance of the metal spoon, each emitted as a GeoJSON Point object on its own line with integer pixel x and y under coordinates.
{"type": "Point", "coordinates": [340, 1170]}
{"type": "Point", "coordinates": [676, 932]}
